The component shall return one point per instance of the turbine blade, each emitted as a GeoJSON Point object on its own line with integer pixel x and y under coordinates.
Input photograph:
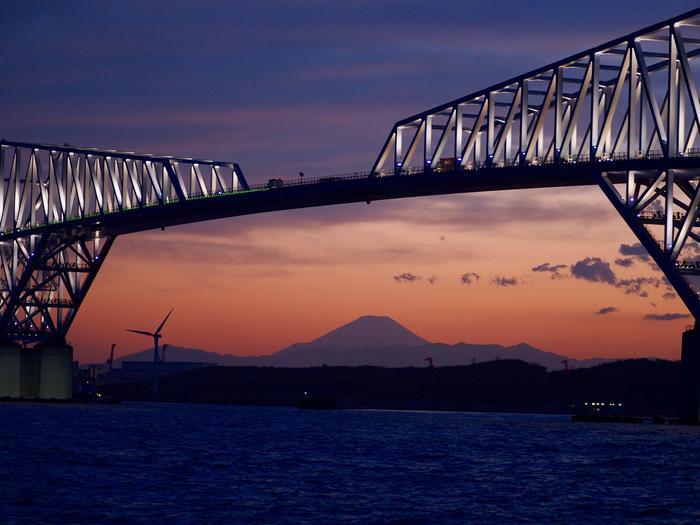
{"type": "Point", "coordinates": [139, 332]}
{"type": "Point", "coordinates": [163, 323]}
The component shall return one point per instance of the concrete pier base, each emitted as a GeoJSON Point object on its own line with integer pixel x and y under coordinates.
{"type": "Point", "coordinates": [44, 371]}
{"type": "Point", "coordinates": [690, 376]}
{"type": "Point", "coordinates": [30, 367]}
{"type": "Point", "coordinates": [10, 360]}
{"type": "Point", "coordinates": [56, 371]}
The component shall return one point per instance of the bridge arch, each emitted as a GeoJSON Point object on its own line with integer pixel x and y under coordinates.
{"type": "Point", "coordinates": [624, 116]}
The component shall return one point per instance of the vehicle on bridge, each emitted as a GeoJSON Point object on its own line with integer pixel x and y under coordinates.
{"type": "Point", "coordinates": [446, 165]}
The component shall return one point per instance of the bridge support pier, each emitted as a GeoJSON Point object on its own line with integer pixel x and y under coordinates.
{"type": "Point", "coordinates": [29, 370]}
{"type": "Point", "coordinates": [690, 376]}
{"type": "Point", "coordinates": [10, 366]}
{"type": "Point", "coordinates": [44, 371]}
{"type": "Point", "coordinates": [55, 371]}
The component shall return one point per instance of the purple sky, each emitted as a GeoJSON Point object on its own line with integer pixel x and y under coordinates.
{"type": "Point", "coordinates": [277, 86]}
{"type": "Point", "coordinates": [315, 86]}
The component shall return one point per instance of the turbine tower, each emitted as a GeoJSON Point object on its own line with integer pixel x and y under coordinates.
{"type": "Point", "coordinates": [156, 358]}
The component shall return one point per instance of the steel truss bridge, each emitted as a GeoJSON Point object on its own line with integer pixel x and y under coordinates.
{"type": "Point", "coordinates": [624, 116]}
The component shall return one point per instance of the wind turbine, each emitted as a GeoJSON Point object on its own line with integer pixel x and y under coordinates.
{"type": "Point", "coordinates": [156, 358]}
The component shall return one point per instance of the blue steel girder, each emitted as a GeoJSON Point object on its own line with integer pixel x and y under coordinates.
{"type": "Point", "coordinates": [46, 185]}
{"type": "Point", "coordinates": [45, 279]}
{"type": "Point", "coordinates": [50, 268]}
{"type": "Point", "coordinates": [681, 275]}
{"type": "Point", "coordinates": [580, 107]}
{"type": "Point", "coordinates": [624, 116]}
{"type": "Point", "coordinates": [630, 100]}
{"type": "Point", "coordinates": [55, 203]}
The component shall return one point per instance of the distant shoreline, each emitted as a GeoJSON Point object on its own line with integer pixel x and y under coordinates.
{"type": "Point", "coordinates": [644, 387]}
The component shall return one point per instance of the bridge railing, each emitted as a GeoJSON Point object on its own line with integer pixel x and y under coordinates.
{"type": "Point", "coordinates": [290, 183]}
{"type": "Point", "coordinates": [55, 195]}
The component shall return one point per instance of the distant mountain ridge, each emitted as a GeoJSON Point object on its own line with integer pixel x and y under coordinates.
{"type": "Point", "coordinates": [369, 330]}
{"type": "Point", "coordinates": [374, 341]}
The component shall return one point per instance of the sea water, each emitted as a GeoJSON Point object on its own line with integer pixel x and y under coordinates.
{"type": "Point", "coordinates": [169, 463]}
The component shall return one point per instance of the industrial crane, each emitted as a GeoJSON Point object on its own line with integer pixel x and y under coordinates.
{"type": "Point", "coordinates": [110, 361]}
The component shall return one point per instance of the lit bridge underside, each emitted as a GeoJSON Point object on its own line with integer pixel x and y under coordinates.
{"type": "Point", "coordinates": [624, 116]}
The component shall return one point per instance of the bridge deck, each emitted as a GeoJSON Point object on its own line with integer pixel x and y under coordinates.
{"type": "Point", "coordinates": [624, 116]}
{"type": "Point", "coordinates": [350, 188]}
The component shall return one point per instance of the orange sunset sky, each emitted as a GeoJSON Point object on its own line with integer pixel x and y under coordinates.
{"type": "Point", "coordinates": [286, 87]}
{"type": "Point", "coordinates": [256, 284]}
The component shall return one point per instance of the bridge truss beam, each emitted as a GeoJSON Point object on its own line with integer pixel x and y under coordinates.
{"type": "Point", "coordinates": [630, 99]}
{"type": "Point", "coordinates": [56, 205]}
{"type": "Point", "coordinates": [624, 116]}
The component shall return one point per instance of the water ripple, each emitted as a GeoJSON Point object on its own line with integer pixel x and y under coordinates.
{"type": "Point", "coordinates": [146, 463]}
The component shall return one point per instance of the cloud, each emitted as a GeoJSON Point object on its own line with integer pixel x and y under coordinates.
{"type": "Point", "coordinates": [691, 248]}
{"type": "Point", "coordinates": [410, 278]}
{"type": "Point", "coordinates": [241, 250]}
{"type": "Point", "coordinates": [669, 296]}
{"type": "Point", "coordinates": [470, 278]}
{"type": "Point", "coordinates": [478, 211]}
{"type": "Point", "coordinates": [251, 247]}
{"type": "Point", "coordinates": [665, 317]}
{"type": "Point", "coordinates": [607, 310]}
{"type": "Point", "coordinates": [624, 262]}
{"type": "Point", "coordinates": [635, 286]}
{"type": "Point", "coordinates": [593, 269]}
{"type": "Point", "coordinates": [407, 277]}
{"type": "Point", "coordinates": [554, 269]}
{"type": "Point", "coordinates": [505, 282]}
{"type": "Point", "coordinates": [636, 251]}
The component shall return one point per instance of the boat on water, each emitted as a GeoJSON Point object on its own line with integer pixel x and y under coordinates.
{"type": "Point", "coordinates": [603, 412]}
{"type": "Point", "coordinates": [309, 401]}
